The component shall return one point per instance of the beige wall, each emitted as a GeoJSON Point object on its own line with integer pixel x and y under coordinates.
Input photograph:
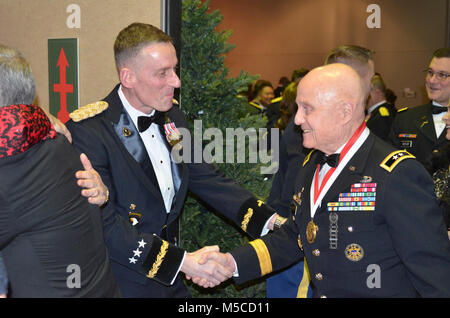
{"type": "Point", "coordinates": [28, 24]}
{"type": "Point", "coordinates": [275, 37]}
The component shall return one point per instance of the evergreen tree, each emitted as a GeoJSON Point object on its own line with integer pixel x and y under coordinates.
{"type": "Point", "coordinates": [210, 95]}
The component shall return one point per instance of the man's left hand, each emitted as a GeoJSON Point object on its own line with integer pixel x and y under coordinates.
{"type": "Point", "coordinates": [89, 179]}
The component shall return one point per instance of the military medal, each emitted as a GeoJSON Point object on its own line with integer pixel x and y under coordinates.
{"type": "Point", "coordinates": [173, 135]}
{"type": "Point", "coordinates": [311, 231]}
{"type": "Point", "coordinates": [333, 217]}
{"type": "Point", "coordinates": [354, 252]}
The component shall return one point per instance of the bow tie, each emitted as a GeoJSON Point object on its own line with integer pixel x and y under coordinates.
{"type": "Point", "coordinates": [438, 109]}
{"type": "Point", "coordinates": [145, 121]}
{"type": "Point", "coordinates": [331, 160]}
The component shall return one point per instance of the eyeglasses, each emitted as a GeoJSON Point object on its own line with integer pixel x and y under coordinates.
{"type": "Point", "coordinates": [440, 76]}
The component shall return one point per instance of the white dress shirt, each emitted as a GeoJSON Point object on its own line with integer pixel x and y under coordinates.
{"type": "Point", "coordinates": [439, 124]}
{"type": "Point", "coordinates": [157, 151]}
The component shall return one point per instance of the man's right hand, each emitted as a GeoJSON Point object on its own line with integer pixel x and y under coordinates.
{"type": "Point", "coordinates": [205, 268]}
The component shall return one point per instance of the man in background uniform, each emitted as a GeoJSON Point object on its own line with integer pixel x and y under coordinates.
{"type": "Point", "coordinates": [420, 130]}
{"type": "Point", "coordinates": [380, 114]}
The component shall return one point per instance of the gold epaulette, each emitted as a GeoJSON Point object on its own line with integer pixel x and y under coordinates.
{"type": "Point", "coordinates": [402, 109]}
{"type": "Point", "coordinates": [384, 112]}
{"type": "Point", "coordinates": [307, 157]}
{"type": "Point", "coordinates": [276, 100]}
{"type": "Point", "coordinates": [394, 158]}
{"type": "Point", "coordinates": [89, 110]}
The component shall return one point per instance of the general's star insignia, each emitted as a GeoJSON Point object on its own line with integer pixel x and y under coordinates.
{"type": "Point", "coordinates": [142, 243]}
{"type": "Point", "coordinates": [132, 260]}
{"type": "Point", "coordinates": [137, 252]}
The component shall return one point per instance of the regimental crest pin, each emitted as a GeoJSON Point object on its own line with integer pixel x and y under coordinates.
{"type": "Point", "coordinates": [354, 252]}
{"type": "Point", "coordinates": [126, 132]}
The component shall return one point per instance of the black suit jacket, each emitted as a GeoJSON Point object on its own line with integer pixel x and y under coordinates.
{"type": "Point", "coordinates": [48, 231]}
{"type": "Point", "coordinates": [413, 130]}
{"type": "Point", "coordinates": [145, 256]}
{"type": "Point", "coordinates": [380, 121]}
{"type": "Point", "coordinates": [402, 242]}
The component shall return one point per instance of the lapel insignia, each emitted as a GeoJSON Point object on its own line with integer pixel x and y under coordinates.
{"type": "Point", "coordinates": [297, 201]}
{"type": "Point", "coordinates": [126, 132]}
{"type": "Point", "coordinates": [360, 198]}
{"type": "Point", "coordinates": [352, 168]}
{"type": "Point", "coordinates": [299, 241]}
{"type": "Point", "coordinates": [308, 156]}
{"type": "Point", "coordinates": [298, 197]}
{"type": "Point", "coordinates": [424, 121]}
{"type": "Point", "coordinates": [354, 252]}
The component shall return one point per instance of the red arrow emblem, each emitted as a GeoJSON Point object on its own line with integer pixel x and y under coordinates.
{"type": "Point", "coordinates": [62, 87]}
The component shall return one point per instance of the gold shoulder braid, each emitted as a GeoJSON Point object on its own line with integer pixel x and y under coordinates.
{"type": "Point", "coordinates": [89, 110]}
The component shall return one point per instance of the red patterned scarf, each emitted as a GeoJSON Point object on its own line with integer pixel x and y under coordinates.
{"type": "Point", "coordinates": [22, 126]}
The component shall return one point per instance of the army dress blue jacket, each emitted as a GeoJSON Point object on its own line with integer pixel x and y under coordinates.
{"type": "Point", "coordinates": [397, 246]}
{"type": "Point", "coordinates": [140, 235]}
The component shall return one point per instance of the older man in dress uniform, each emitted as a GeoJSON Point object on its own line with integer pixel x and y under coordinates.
{"type": "Point", "coordinates": [352, 224]}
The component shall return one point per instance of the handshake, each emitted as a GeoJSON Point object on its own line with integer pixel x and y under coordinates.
{"type": "Point", "coordinates": [207, 267]}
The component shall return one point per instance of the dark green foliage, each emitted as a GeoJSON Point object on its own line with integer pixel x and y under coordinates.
{"type": "Point", "coordinates": [208, 94]}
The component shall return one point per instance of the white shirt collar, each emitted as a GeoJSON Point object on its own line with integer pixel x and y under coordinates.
{"type": "Point", "coordinates": [133, 112]}
{"type": "Point", "coordinates": [437, 104]}
{"type": "Point", "coordinates": [373, 107]}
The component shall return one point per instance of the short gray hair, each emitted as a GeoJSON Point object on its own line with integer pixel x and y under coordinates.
{"type": "Point", "coordinates": [17, 84]}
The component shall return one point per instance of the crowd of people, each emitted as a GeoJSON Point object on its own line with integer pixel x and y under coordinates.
{"type": "Point", "coordinates": [360, 183]}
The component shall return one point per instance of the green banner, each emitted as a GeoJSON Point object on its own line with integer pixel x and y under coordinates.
{"type": "Point", "coordinates": [63, 77]}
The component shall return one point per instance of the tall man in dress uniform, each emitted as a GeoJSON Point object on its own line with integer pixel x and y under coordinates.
{"type": "Point", "coordinates": [294, 281]}
{"type": "Point", "coordinates": [132, 153]}
{"type": "Point", "coordinates": [351, 222]}
{"type": "Point", "coordinates": [380, 114]}
{"type": "Point", "coordinates": [420, 130]}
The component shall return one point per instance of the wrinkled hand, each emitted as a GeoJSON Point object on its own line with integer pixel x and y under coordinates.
{"type": "Point", "coordinates": [59, 126]}
{"type": "Point", "coordinates": [89, 179]}
{"type": "Point", "coordinates": [205, 271]}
